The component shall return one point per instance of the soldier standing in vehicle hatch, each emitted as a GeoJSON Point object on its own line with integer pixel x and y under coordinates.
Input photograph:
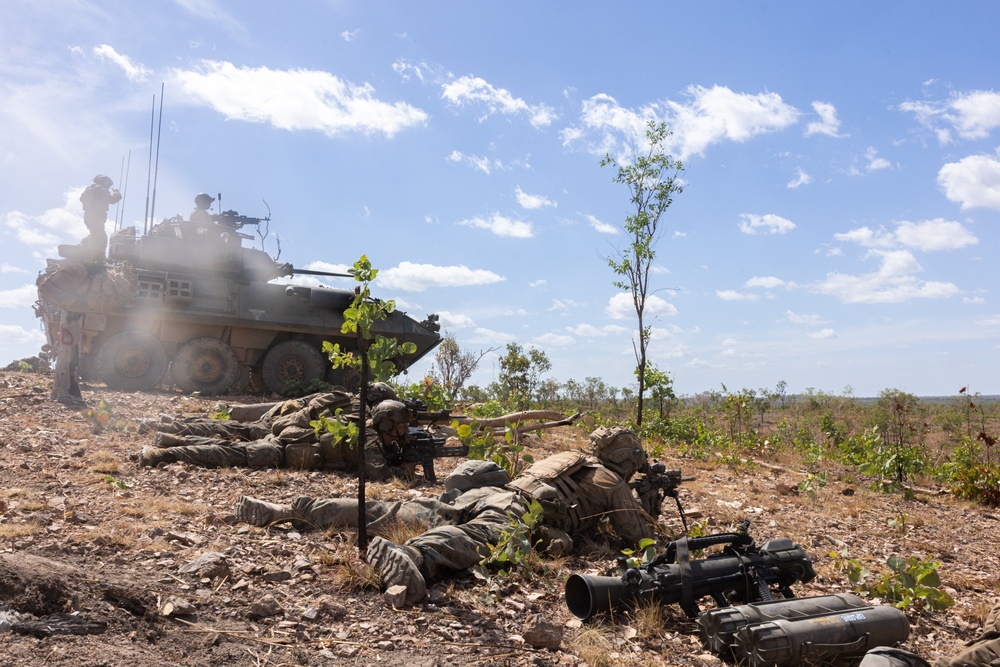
{"type": "Point", "coordinates": [96, 199]}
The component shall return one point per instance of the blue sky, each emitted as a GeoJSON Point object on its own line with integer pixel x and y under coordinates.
{"type": "Point", "coordinates": [842, 184]}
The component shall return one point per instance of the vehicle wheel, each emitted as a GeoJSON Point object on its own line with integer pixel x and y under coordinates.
{"type": "Point", "coordinates": [348, 378]}
{"type": "Point", "coordinates": [292, 361]}
{"type": "Point", "coordinates": [206, 365]}
{"type": "Point", "coordinates": [131, 361]}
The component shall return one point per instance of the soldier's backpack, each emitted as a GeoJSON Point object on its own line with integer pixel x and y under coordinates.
{"type": "Point", "coordinates": [549, 481]}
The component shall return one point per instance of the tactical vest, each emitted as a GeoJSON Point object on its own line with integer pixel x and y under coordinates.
{"type": "Point", "coordinates": [550, 482]}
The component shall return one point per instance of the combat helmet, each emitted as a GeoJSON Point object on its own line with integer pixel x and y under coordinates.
{"type": "Point", "coordinates": [388, 415]}
{"type": "Point", "coordinates": [619, 449]}
{"type": "Point", "coordinates": [103, 181]}
{"type": "Point", "coordinates": [203, 200]}
{"type": "Point", "coordinates": [474, 474]}
{"type": "Point", "coordinates": [380, 391]}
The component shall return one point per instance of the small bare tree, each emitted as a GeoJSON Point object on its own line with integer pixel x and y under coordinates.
{"type": "Point", "coordinates": [453, 367]}
{"type": "Point", "coordinates": [652, 178]}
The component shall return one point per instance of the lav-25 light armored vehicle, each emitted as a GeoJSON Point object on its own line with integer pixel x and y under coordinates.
{"type": "Point", "coordinates": [188, 298]}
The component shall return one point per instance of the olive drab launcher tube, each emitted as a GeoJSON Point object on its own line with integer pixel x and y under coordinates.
{"type": "Point", "coordinates": [820, 639]}
{"type": "Point", "coordinates": [717, 628]}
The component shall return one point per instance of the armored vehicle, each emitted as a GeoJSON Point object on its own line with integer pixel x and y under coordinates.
{"type": "Point", "coordinates": [187, 300]}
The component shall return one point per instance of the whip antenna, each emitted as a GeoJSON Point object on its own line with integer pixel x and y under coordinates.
{"type": "Point", "coordinates": [149, 169]}
{"type": "Point", "coordinates": [156, 172]}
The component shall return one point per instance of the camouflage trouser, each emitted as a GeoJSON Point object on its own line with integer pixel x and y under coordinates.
{"type": "Point", "coordinates": [215, 428]}
{"type": "Point", "coordinates": [214, 453]}
{"type": "Point", "coordinates": [984, 651]}
{"type": "Point", "coordinates": [458, 547]}
{"type": "Point", "coordinates": [382, 516]}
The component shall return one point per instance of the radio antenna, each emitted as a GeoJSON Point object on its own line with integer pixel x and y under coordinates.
{"type": "Point", "coordinates": [123, 182]}
{"type": "Point", "coordinates": [156, 172]}
{"type": "Point", "coordinates": [149, 169]}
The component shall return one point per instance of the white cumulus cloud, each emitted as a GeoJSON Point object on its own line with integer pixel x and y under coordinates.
{"type": "Point", "coordinates": [705, 116]}
{"type": "Point", "coordinates": [973, 181]}
{"type": "Point", "coordinates": [532, 202]}
{"type": "Point", "coordinates": [468, 90]}
{"type": "Point", "coordinates": [926, 235]}
{"type": "Point", "coordinates": [558, 340]}
{"type": "Point", "coordinates": [501, 226]}
{"type": "Point", "coordinates": [972, 115]}
{"type": "Point", "coordinates": [765, 224]}
{"type": "Point", "coordinates": [16, 335]}
{"type": "Point", "coordinates": [590, 331]}
{"type": "Point", "coordinates": [801, 178]}
{"type": "Point", "coordinates": [19, 297]}
{"type": "Point", "coordinates": [620, 307]}
{"type": "Point", "coordinates": [823, 334]}
{"type": "Point", "coordinates": [294, 100]}
{"type": "Point", "coordinates": [411, 277]}
{"type": "Point", "coordinates": [599, 226]}
{"type": "Point", "coordinates": [766, 282]}
{"type": "Point", "coordinates": [733, 295]}
{"type": "Point", "coordinates": [895, 281]}
{"type": "Point", "coordinates": [828, 122]}
{"type": "Point", "coordinates": [132, 71]}
{"type": "Point", "coordinates": [802, 318]}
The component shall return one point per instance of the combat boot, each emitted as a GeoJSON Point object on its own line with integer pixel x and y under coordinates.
{"type": "Point", "coordinates": [262, 513]}
{"type": "Point", "coordinates": [169, 440]}
{"type": "Point", "coordinates": [154, 456]}
{"type": "Point", "coordinates": [398, 566]}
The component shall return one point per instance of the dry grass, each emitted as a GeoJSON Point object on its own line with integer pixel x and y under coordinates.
{"type": "Point", "coordinates": [349, 572]}
{"type": "Point", "coordinates": [16, 530]}
{"type": "Point", "coordinates": [118, 535]}
{"type": "Point", "coordinates": [648, 618]}
{"type": "Point", "coordinates": [601, 645]}
{"type": "Point", "coordinates": [400, 531]}
{"type": "Point", "coordinates": [167, 506]}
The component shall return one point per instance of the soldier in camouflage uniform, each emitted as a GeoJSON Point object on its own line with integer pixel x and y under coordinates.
{"type": "Point", "coordinates": [575, 491]}
{"type": "Point", "coordinates": [469, 515]}
{"type": "Point", "coordinates": [96, 199]}
{"type": "Point", "coordinates": [284, 437]}
{"type": "Point", "coordinates": [984, 650]}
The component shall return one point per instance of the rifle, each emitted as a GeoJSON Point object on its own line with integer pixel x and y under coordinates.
{"type": "Point", "coordinates": [422, 447]}
{"type": "Point", "coordinates": [421, 415]}
{"type": "Point", "coordinates": [657, 479]}
{"type": "Point", "coordinates": [740, 573]}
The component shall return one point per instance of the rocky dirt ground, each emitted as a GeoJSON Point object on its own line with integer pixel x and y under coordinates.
{"type": "Point", "coordinates": [151, 563]}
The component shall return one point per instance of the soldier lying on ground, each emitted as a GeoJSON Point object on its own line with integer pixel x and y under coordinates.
{"type": "Point", "coordinates": [284, 437]}
{"type": "Point", "coordinates": [984, 650]}
{"type": "Point", "coordinates": [576, 493]}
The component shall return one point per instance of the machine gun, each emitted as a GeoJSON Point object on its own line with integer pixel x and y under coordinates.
{"type": "Point", "coordinates": [236, 221]}
{"type": "Point", "coordinates": [657, 479]}
{"type": "Point", "coordinates": [422, 447]}
{"type": "Point", "coordinates": [740, 573]}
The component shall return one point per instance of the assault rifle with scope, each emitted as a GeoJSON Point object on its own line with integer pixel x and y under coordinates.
{"type": "Point", "coordinates": [422, 447]}
{"type": "Point", "coordinates": [657, 479]}
{"type": "Point", "coordinates": [742, 572]}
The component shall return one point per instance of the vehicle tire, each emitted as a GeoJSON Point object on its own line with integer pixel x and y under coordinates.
{"type": "Point", "coordinates": [131, 361]}
{"type": "Point", "coordinates": [205, 365]}
{"type": "Point", "coordinates": [292, 361]}
{"type": "Point", "coordinates": [348, 378]}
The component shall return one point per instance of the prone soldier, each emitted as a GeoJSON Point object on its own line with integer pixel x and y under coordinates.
{"type": "Point", "coordinates": [576, 492]}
